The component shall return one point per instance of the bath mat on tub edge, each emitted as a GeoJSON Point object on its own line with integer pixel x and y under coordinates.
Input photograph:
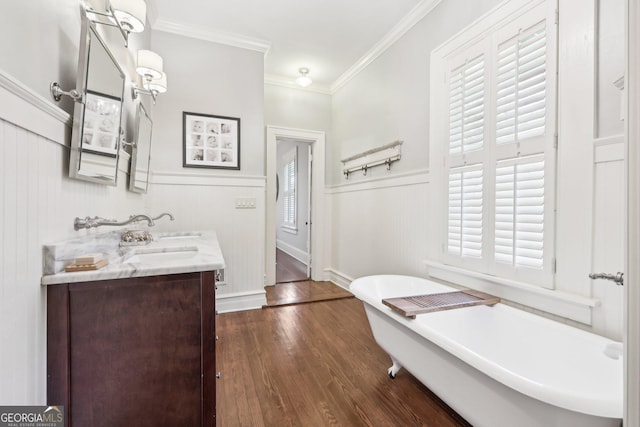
{"type": "Point", "coordinates": [419, 304]}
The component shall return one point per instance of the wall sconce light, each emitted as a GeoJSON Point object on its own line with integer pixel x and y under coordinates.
{"type": "Point", "coordinates": [149, 65]}
{"type": "Point", "coordinates": [128, 16]}
{"type": "Point", "coordinates": [157, 85]}
{"type": "Point", "coordinates": [304, 80]}
{"type": "Point", "coordinates": [154, 80]}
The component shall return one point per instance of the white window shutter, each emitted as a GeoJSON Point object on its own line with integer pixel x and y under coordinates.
{"type": "Point", "coordinates": [519, 218]}
{"type": "Point", "coordinates": [466, 107]}
{"type": "Point", "coordinates": [465, 212]}
{"type": "Point", "coordinates": [499, 157]}
{"type": "Point", "coordinates": [289, 190]}
{"type": "Point", "coordinates": [521, 86]}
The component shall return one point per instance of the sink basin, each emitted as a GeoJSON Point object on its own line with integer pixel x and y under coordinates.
{"type": "Point", "coordinates": [162, 256]}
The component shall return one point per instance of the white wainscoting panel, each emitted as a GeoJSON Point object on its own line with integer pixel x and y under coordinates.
{"type": "Point", "coordinates": [379, 227]}
{"type": "Point", "coordinates": [37, 205]}
{"type": "Point", "coordinates": [209, 206]}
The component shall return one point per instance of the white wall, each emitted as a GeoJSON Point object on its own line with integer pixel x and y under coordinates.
{"type": "Point", "coordinates": [389, 100]}
{"type": "Point", "coordinates": [295, 244]}
{"type": "Point", "coordinates": [379, 222]}
{"type": "Point", "coordinates": [299, 109]}
{"type": "Point", "coordinates": [296, 108]}
{"type": "Point", "coordinates": [209, 78]}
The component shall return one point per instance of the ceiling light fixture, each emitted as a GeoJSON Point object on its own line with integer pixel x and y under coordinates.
{"type": "Point", "coordinates": [304, 80]}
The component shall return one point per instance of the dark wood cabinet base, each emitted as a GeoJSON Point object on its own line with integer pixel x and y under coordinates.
{"type": "Point", "coordinates": [137, 351]}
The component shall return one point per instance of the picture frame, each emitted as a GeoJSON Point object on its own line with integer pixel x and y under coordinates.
{"type": "Point", "coordinates": [210, 141]}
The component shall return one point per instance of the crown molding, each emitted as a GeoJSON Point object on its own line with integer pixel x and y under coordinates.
{"type": "Point", "coordinates": [273, 80]}
{"type": "Point", "coordinates": [215, 36]}
{"type": "Point", "coordinates": [416, 14]}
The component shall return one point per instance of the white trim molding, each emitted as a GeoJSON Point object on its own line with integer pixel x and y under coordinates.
{"type": "Point", "coordinates": [317, 141]}
{"type": "Point", "coordinates": [417, 177]}
{"type": "Point", "coordinates": [292, 251]}
{"type": "Point", "coordinates": [187, 178]}
{"type": "Point", "coordinates": [22, 106]}
{"type": "Point", "coordinates": [570, 306]}
{"type": "Point", "coordinates": [241, 301]}
{"type": "Point", "coordinates": [608, 149]}
{"type": "Point", "coordinates": [632, 172]}
{"type": "Point", "coordinates": [337, 277]}
{"type": "Point", "coordinates": [416, 14]}
{"type": "Point", "coordinates": [214, 36]}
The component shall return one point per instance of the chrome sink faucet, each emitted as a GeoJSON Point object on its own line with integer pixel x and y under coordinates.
{"type": "Point", "coordinates": [88, 222]}
{"type": "Point", "coordinates": [164, 214]}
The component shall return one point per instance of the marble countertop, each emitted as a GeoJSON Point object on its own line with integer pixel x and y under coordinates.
{"type": "Point", "coordinates": [168, 253]}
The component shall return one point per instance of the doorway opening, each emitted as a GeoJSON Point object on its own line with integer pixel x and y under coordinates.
{"type": "Point", "coordinates": [311, 143]}
{"type": "Point", "coordinates": [294, 165]}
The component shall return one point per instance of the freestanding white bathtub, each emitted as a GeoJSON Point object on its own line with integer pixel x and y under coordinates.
{"type": "Point", "coordinates": [498, 366]}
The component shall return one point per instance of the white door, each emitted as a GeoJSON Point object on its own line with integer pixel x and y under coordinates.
{"type": "Point", "coordinates": [309, 187]}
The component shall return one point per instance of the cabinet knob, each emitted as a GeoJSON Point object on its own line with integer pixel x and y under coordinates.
{"type": "Point", "coordinates": [217, 338]}
{"type": "Point", "coordinates": [219, 375]}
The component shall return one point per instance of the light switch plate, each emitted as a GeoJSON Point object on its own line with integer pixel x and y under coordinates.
{"type": "Point", "coordinates": [245, 203]}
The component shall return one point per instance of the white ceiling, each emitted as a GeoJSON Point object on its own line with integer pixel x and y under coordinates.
{"type": "Point", "coordinates": [327, 36]}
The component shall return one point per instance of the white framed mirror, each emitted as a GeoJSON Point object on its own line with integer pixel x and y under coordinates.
{"type": "Point", "coordinates": [95, 137]}
{"type": "Point", "coordinates": [141, 152]}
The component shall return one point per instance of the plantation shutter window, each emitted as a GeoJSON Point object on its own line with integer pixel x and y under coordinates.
{"type": "Point", "coordinates": [500, 157]}
{"type": "Point", "coordinates": [289, 190]}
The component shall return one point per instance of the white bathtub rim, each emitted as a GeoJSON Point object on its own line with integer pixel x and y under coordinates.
{"type": "Point", "coordinates": [602, 404]}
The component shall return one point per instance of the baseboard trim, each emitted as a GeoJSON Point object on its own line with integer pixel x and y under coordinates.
{"type": "Point", "coordinates": [292, 251]}
{"type": "Point", "coordinates": [338, 278]}
{"type": "Point", "coordinates": [241, 301]}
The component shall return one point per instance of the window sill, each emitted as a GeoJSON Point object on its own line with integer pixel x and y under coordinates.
{"type": "Point", "coordinates": [289, 229]}
{"type": "Point", "coordinates": [571, 306]}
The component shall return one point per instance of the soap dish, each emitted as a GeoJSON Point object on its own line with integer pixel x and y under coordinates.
{"type": "Point", "coordinates": [135, 238]}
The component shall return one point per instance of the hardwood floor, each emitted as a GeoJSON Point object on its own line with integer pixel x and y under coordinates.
{"type": "Point", "coordinates": [315, 365]}
{"type": "Point", "coordinates": [289, 269]}
{"type": "Point", "coordinates": [303, 292]}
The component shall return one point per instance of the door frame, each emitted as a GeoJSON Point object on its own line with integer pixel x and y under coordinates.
{"type": "Point", "coordinates": [632, 269]}
{"type": "Point", "coordinates": [317, 140]}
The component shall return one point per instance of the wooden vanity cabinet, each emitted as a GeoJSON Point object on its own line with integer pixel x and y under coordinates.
{"type": "Point", "coordinates": [133, 352]}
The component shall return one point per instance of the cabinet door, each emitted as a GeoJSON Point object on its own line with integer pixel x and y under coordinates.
{"type": "Point", "coordinates": [136, 352]}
